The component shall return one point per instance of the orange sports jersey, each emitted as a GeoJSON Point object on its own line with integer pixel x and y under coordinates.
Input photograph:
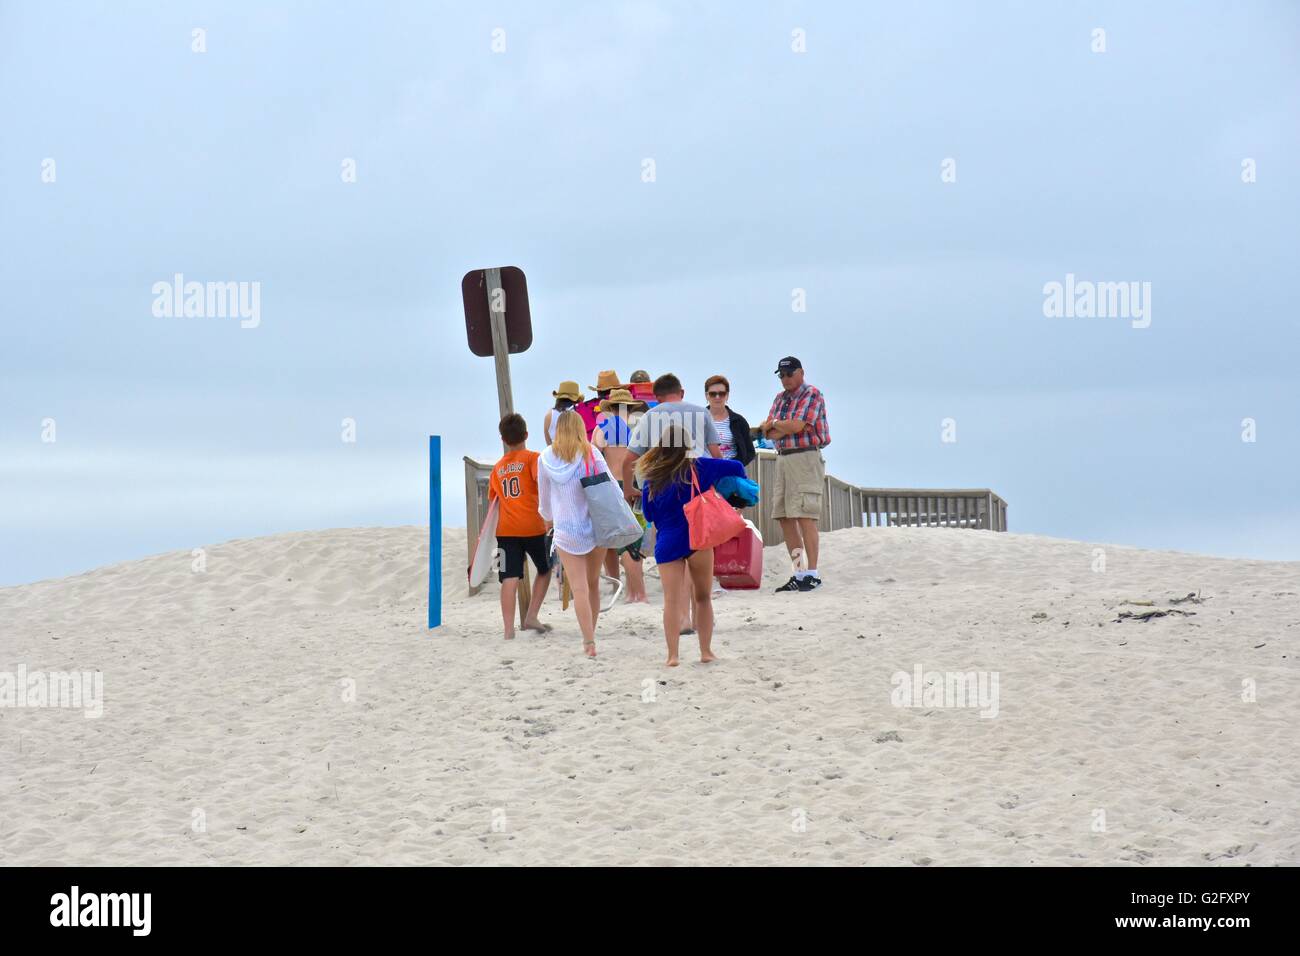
{"type": "Point", "coordinates": [514, 481]}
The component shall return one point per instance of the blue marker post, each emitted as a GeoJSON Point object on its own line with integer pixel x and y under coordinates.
{"type": "Point", "coordinates": [435, 531]}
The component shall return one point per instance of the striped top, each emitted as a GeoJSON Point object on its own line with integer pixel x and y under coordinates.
{"type": "Point", "coordinates": [728, 443]}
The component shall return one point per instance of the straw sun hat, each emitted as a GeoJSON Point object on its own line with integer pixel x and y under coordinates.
{"type": "Point", "coordinates": [606, 380]}
{"type": "Point", "coordinates": [568, 390]}
{"type": "Point", "coordinates": [621, 396]}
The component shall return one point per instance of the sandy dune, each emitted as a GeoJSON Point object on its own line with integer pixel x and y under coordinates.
{"type": "Point", "coordinates": [229, 736]}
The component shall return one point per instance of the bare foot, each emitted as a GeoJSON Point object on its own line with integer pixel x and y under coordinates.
{"type": "Point", "coordinates": [707, 656]}
{"type": "Point", "coordinates": [510, 636]}
{"type": "Point", "coordinates": [537, 626]}
{"type": "Point", "coordinates": [590, 648]}
{"type": "Point", "coordinates": [672, 662]}
{"type": "Point", "coordinates": [637, 599]}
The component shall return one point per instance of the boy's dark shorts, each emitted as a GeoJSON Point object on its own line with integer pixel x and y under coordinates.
{"type": "Point", "coordinates": [513, 550]}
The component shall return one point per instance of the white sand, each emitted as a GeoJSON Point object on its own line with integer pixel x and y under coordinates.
{"type": "Point", "coordinates": [223, 695]}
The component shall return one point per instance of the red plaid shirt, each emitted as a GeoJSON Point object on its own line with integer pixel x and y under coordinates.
{"type": "Point", "coordinates": [805, 403]}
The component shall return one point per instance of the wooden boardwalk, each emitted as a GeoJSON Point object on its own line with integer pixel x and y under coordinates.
{"type": "Point", "coordinates": [843, 505]}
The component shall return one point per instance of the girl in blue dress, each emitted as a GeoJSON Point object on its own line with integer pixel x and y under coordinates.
{"type": "Point", "coordinates": [687, 576]}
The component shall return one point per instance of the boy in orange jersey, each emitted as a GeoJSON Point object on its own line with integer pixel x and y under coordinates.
{"type": "Point", "coordinates": [521, 530]}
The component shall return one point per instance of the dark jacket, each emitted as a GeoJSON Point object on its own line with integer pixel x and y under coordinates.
{"type": "Point", "coordinates": [744, 440]}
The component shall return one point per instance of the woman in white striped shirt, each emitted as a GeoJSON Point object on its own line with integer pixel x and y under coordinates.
{"type": "Point", "coordinates": [561, 500]}
{"type": "Point", "coordinates": [736, 440]}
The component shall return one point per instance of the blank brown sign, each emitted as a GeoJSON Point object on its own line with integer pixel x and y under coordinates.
{"type": "Point", "coordinates": [478, 321]}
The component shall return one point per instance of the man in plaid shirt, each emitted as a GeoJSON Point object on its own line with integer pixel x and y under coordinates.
{"type": "Point", "coordinates": [797, 427]}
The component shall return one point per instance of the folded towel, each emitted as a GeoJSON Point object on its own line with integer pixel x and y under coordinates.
{"type": "Point", "coordinates": [737, 490]}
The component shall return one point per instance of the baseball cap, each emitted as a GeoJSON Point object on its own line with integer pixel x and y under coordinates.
{"type": "Point", "coordinates": [788, 364]}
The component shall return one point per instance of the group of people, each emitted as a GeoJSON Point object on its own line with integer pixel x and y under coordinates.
{"type": "Point", "coordinates": [662, 450]}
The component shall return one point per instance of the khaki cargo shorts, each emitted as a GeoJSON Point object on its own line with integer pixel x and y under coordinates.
{"type": "Point", "coordinates": [800, 481]}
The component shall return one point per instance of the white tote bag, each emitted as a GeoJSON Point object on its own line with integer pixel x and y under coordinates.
{"type": "Point", "coordinates": [612, 520]}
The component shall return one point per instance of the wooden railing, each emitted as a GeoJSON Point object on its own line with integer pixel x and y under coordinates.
{"type": "Point", "coordinates": [851, 506]}
{"type": "Point", "coordinates": [843, 505]}
{"type": "Point", "coordinates": [926, 507]}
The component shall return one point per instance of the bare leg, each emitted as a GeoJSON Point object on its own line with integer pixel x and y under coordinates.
{"type": "Point", "coordinates": [808, 530]}
{"type": "Point", "coordinates": [594, 564]}
{"type": "Point", "coordinates": [509, 588]}
{"type": "Point", "coordinates": [793, 540]}
{"type": "Point", "coordinates": [635, 580]}
{"type": "Point", "coordinates": [542, 582]}
{"type": "Point", "coordinates": [673, 577]}
{"type": "Point", "coordinates": [575, 569]}
{"type": "Point", "coordinates": [690, 586]}
{"type": "Point", "coordinates": [688, 607]}
{"type": "Point", "coordinates": [611, 563]}
{"type": "Point", "coordinates": [700, 567]}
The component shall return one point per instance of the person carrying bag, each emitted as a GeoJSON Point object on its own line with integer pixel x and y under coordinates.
{"type": "Point", "coordinates": [690, 519]}
{"type": "Point", "coordinates": [563, 501]}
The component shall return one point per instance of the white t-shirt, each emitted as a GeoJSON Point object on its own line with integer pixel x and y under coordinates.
{"type": "Point", "coordinates": [696, 422]}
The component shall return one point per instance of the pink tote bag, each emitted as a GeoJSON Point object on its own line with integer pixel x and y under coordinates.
{"type": "Point", "coordinates": [710, 519]}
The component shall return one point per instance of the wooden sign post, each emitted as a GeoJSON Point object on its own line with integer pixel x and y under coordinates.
{"type": "Point", "coordinates": [498, 322]}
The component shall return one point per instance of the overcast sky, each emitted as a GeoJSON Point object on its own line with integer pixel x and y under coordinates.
{"type": "Point", "coordinates": [774, 170]}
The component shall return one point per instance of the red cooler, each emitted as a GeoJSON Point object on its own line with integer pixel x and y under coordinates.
{"type": "Point", "coordinates": [738, 563]}
{"type": "Point", "coordinates": [643, 392]}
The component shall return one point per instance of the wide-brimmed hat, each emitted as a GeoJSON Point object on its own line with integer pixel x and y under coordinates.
{"type": "Point", "coordinates": [568, 390]}
{"type": "Point", "coordinates": [621, 396]}
{"type": "Point", "coordinates": [605, 381]}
